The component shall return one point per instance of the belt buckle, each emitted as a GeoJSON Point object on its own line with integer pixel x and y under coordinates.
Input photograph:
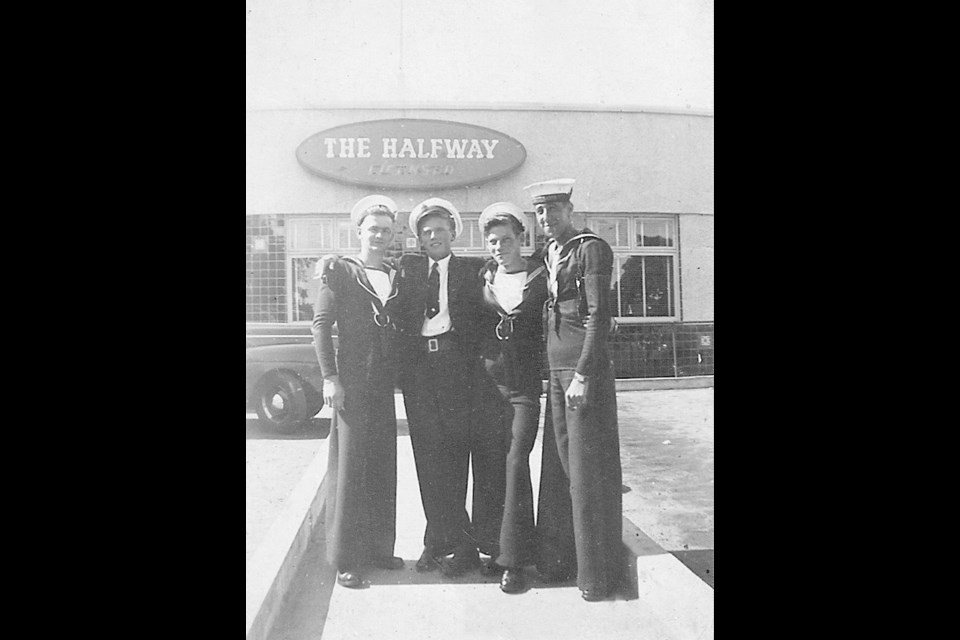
{"type": "Point", "coordinates": [433, 345]}
{"type": "Point", "coordinates": [504, 331]}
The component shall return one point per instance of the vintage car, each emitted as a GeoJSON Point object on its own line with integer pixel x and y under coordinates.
{"type": "Point", "coordinates": [284, 384]}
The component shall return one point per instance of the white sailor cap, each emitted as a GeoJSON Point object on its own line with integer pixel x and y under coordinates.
{"type": "Point", "coordinates": [377, 203]}
{"type": "Point", "coordinates": [558, 190]}
{"type": "Point", "coordinates": [499, 210]}
{"type": "Point", "coordinates": [434, 205]}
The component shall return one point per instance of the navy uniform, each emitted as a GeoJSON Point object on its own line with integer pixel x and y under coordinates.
{"type": "Point", "coordinates": [361, 480]}
{"type": "Point", "coordinates": [445, 395]}
{"type": "Point", "coordinates": [580, 506]}
{"type": "Point", "coordinates": [513, 357]}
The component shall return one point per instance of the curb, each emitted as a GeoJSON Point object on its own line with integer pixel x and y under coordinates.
{"type": "Point", "coordinates": [274, 564]}
{"type": "Point", "coordinates": [651, 384]}
{"type": "Point", "coordinates": [648, 384]}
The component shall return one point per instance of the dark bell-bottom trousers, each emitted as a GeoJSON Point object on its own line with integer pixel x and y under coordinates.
{"type": "Point", "coordinates": [361, 480]}
{"type": "Point", "coordinates": [455, 415]}
{"type": "Point", "coordinates": [517, 534]}
{"type": "Point", "coordinates": [580, 509]}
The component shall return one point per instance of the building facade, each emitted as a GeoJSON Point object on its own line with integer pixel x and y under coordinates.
{"type": "Point", "coordinates": [644, 182]}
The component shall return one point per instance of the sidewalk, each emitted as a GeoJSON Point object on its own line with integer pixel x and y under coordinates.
{"type": "Point", "coordinates": [275, 465]}
{"type": "Point", "coordinates": [667, 454]}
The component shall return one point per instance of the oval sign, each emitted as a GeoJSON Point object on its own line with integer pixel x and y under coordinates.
{"type": "Point", "coordinates": [410, 154]}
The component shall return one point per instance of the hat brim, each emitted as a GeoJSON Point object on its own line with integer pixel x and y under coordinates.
{"type": "Point", "coordinates": [552, 197]}
{"type": "Point", "coordinates": [501, 209]}
{"type": "Point", "coordinates": [430, 206]}
{"type": "Point", "coordinates": [363, 206]}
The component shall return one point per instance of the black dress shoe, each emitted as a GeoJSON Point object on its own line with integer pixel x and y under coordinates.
{"type": "Point", "coordinates": [594, 595]}
{"type": "Point", "coordinates": [349, 579]}
{"type": "Point", "coordinates": [388, 562]}
{"type": "Point", "coordinates": [463, 560]}
{"type": "Point", "coordinates": [491, 568]}
{"type": "Point", "coordinates": [427, 562]}
{"type": "Point", "coordinates": [512, 581]}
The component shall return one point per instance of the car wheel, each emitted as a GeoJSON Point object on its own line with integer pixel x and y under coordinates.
{"type": "Point", "coordinates": [314, 400]}
{"type": "Point", "coordinates": [281, 402]}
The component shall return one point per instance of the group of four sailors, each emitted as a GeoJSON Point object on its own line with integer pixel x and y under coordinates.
{"type": "Point", "coordinates": [464, 340]}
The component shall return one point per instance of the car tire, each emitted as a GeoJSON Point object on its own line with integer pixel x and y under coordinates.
{"type": "Point", "coordinates": [314, 400]}
{"type": "Point", "coordinates": [281, 402]}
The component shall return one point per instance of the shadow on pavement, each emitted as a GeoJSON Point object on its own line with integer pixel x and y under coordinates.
{"type": "Point", "coordinates": [409, 575]}
{"type": "Point", "coordinates": [318, 429]}
{"type": "Point", "coordinates": [304, 612]}
{"type": "Point", "coordinates": [700, 561]}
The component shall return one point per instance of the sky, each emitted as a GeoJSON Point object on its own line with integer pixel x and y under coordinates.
{"type": "Point", "coordinates": [609, 54]}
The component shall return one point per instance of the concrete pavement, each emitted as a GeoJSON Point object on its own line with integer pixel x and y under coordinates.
{"type": "Point", "coordinates": [667, 453]}
{"type": "Point", "coordinates": [275, 465]}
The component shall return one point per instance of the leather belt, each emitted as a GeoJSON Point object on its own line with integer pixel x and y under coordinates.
{"type": "Point", "coordinates": [439, 344]}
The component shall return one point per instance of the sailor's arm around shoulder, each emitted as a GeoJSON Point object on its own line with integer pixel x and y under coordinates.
{"type": "Point", "coordinates": [325, 265]}
{"type": "Point", "coordinates": [409, 260]}
{"type": "Point", "coordinates": [473, 265]}
{"type": "Point", "coordinates": [473, 262]}
{"type": "Point", "coordinates": [410, 263]}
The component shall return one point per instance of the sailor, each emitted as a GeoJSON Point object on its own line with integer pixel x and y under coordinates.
{"type": "Point", "coordinates": [454, 412]}
{"type": "Point", "coordinates": [514, 290]}
{"type": "Point", "coordinates": [580, 505]}
{"type": "Point", "coordinates": [356, 293]}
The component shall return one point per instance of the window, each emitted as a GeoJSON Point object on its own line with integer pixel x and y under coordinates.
{"type": "Point", "coordinates": [304, 288]}
{"type": "Point", "coordinates": [646, 261]}
{"type": "Point", "coordinates": [469, 237]}
{"type": "Point", "coordinates": [308, 239]}
{"type": "Point", "coordinates": [642, 286]}
{"type": "Point", "coordinates": [310, 235]}
{"type": "Point", "coordinates": [347, 235]}
{"type": "Point", "coordinates": [645, 267]}
{"type": "Point", "coordinates": [613, 230]}
{"type": "Point", "coordinates": [654, 233]}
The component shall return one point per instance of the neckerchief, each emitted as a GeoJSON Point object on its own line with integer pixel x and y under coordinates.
{"type": "Point", "coordinates": [376, 305]}
{"type": "Point", "coordinates": [505, 326]}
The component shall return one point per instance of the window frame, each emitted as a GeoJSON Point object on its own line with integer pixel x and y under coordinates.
{"type": "Point", "coordinates": [293, 225]}
{"type": "Point", "coordinates": [634, 220]}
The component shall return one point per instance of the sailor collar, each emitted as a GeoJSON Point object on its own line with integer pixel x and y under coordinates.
{"type": "Point", "coordinates": [364, 281]}
{"type": "Point", "coordinates": [534, 270]}
{"type": "Point", "coordinates": [569, 245]}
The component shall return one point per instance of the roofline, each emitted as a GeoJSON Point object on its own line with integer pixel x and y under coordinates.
{"type": "Point", "coordinates": [507, 106]}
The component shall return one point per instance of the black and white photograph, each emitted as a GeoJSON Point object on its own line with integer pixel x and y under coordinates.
{"type": "Point", "coordinates": [479, 281]}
